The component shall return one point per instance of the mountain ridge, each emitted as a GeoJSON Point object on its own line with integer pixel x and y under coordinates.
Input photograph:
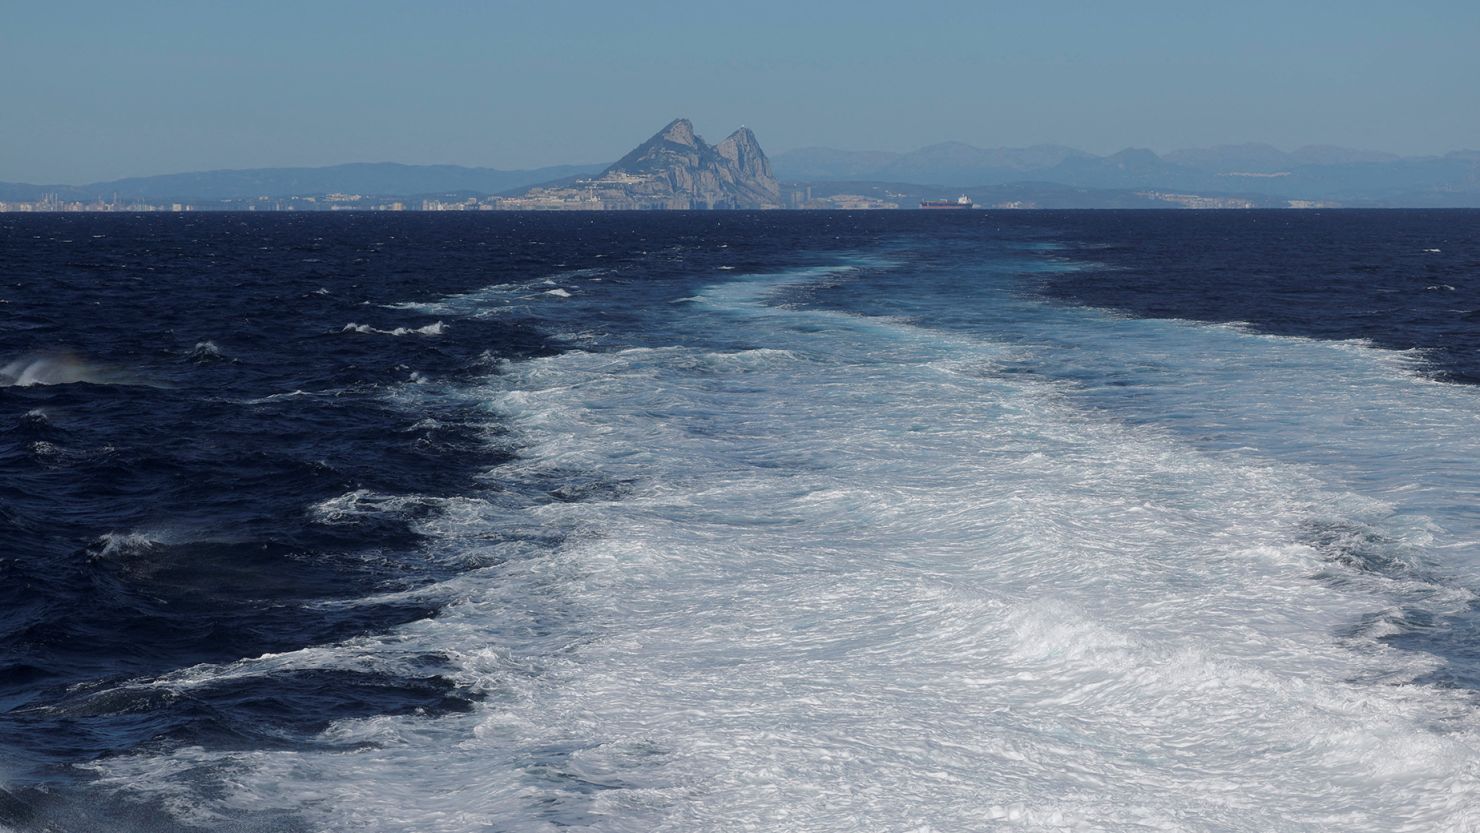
{"type": "Point", "coordinates": [1316, 172]}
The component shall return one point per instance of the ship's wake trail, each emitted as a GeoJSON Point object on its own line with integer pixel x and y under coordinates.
{"type": "Point", "coordinates": [861, 579]}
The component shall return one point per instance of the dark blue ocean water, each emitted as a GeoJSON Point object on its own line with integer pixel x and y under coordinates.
{"type": "Point", "coordinates": [299, 510]}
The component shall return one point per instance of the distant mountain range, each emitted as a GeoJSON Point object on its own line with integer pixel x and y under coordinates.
{"type": "Point", "coordinates": [379, 178]}
{"type": "Point", "coordinates": [729, 174]}
{"type": "Point", "coordinates": [1311, 173]}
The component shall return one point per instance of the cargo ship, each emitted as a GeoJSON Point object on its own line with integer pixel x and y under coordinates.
{"type": "Point", "coordinates": [962, 201]}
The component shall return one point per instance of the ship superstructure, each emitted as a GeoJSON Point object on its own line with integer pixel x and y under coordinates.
{"type": "Point", "coordinates": [962, 201]}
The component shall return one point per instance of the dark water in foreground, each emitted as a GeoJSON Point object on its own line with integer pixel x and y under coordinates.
{"type": "Point", "coordinates": [811, 521]}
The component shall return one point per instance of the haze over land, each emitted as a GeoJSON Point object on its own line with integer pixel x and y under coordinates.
{"type": "Point", "coordinates": [697, 175]}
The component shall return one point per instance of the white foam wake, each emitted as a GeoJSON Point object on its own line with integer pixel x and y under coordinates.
{"type": "Point", "coordinates": [857, 582]}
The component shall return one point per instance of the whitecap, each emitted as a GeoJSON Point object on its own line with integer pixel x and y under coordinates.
{"type": "Point", "coordinates": [116, 544]}
{"type": "Point", "coordinates": [261, 400]}
{"type": "Point", "coordinates": [205, 351]}
{"type": "Point", "coordinates": [435, 329]}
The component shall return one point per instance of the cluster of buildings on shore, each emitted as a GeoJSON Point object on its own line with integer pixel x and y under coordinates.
{"type": "Point", "coordinates": [51, 202]}
{"type": "Point", "coordinates": [552, 199]}
{"type": "Point", "coordinates": [326, 202]}
{"type": "Point", "coordinates": [563, 199]}
{"type": "Point", "coordinates": [1197, 200]}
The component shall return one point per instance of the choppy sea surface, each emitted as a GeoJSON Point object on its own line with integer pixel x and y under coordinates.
{"type": "Point", "coordinates": [905, 521]}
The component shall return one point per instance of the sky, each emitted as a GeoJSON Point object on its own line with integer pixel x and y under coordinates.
{"type": "Point", "coordinates": [99, 90]}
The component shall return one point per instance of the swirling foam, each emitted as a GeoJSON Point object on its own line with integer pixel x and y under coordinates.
{"type": "Point", "coordinates": [863, 582]}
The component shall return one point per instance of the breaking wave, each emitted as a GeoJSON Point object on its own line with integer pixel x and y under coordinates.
{"type": "Point", "coordinates": [60, 369]}
{"type": "Point", "coordinates": [429, 330]}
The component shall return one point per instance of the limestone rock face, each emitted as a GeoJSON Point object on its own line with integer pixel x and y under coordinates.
{"type": "Point", "coordinates": [677, 166]}
{"type": "Point", "coordinates": [677, 169]}
{"type": "Point", "coordinates": [752, 170]}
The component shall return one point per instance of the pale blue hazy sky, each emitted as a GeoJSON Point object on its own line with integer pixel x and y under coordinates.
{"type": "Point", "coordinates": [96, 90]}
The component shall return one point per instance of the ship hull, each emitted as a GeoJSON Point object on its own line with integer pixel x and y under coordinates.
{"type": "Point", "coordinates": [957, 204]}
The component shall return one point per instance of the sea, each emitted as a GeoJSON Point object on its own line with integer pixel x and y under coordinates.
{"type": "Point", "coordinates": [918, 522]}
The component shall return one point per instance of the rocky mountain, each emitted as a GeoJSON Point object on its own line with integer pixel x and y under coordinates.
{"type": "Point", "coordinates": [675, 169]}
